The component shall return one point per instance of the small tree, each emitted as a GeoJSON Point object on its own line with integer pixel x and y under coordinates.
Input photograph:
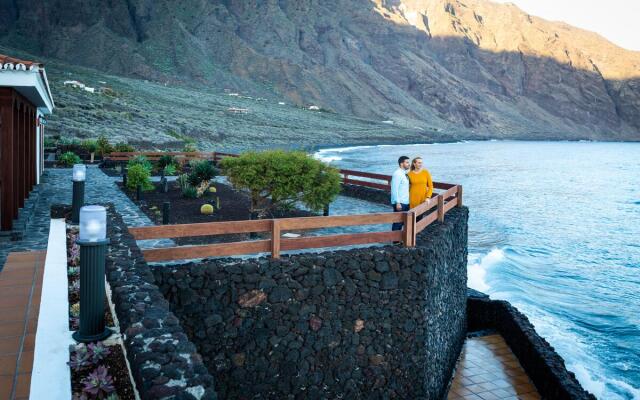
{"type": "Point", "coordinates": [280, 179]}
{"type": "Point", "coordinates": [103, 145]}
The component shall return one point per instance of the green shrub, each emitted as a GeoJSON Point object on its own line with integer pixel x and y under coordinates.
{"type": "Point", "coordinates": [280, 179]}
{"type": "Point", "coordinates": [137, 174]}
{"type": "Point", "coordinates": [190, 147]}
{"type": "Point", "coordinates": [165, 160]}
{"type": "Point", "coordinates": [89, 145]}
{"type": "Point", "coordinates": [201, 171]}
{"type": "Point", "coordinates": [103, 145]}
{"type": "Point", "coordinates": [123, 147]}
{"type": "Point", "coordinates": [141, 160]}
{"type": "Point", "coordinates": [69, 158]}
{"type": "Point", "coordinates": [190, 192]}
{"type": "Point", "coordinates": [50, 142]}
{"type": "Point", "coordinates": [170, 170]}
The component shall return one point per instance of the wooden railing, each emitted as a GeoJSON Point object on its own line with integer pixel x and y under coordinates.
{"type": "Point", "coordinates": [180, 156]}
{"type": "Point", "coordinates": [414, 220]}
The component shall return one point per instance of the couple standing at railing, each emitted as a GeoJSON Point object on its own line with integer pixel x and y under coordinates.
{"type": "Point", "coordinates": [411, 185]}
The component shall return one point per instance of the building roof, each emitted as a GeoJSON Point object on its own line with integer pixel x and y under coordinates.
{"type": "Point", "coordinates": [12, 63]}
{"type": "Point", "coordinates": [28, 78]}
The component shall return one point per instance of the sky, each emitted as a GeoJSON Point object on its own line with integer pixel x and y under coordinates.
{"type": "Point", "coordinates": [616, 20]}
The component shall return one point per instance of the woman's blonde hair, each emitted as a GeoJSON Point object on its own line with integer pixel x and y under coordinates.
{"type": "Point", "coordinates": [413, 163]}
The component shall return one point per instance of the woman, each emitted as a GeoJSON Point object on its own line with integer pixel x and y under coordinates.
{"type": "Point", "coordinates": [421, 187]}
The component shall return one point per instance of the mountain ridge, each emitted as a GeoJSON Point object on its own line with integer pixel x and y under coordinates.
{"type": "Point", "coordinates": [470, 67]}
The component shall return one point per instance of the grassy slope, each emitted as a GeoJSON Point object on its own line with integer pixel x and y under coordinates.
{"type": "Point", "coordinates": [155, 115]}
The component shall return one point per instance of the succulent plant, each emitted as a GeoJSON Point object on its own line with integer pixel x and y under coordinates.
{"type": "Point", "coordinates": [75, 286]}
{"type": "Point", "coordinates": [98, 352]}
{"type": "Point", "coordinates": [98, 384]}
{"type": "Point", "coordinates": [75, 310]}
{"type": "Point", "coordinates": [73, 271]}
{"type": "Point", "coordinates": [80, 358]}
{"type": "Point", "coordinates": [74, 254]}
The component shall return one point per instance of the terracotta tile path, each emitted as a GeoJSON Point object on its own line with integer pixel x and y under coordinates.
{"type": "Point", "coordinates": [488, 370]}
{"type": "Point", "coordinates": [20, 288]}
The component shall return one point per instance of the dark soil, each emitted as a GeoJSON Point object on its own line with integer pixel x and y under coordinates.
{"type": "Point", "coordinates": [117, 367]}
{"type": "Point", "coordinates": [234, 206]}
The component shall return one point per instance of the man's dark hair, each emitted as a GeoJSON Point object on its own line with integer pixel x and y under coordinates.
{"type": "Point", "coordinates": [402, 159]}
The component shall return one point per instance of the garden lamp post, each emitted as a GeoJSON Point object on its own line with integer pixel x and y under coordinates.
{"type": "Point", "coordinates": [79, 176]}
{"type": "Point", "coordinates": [93, 250]}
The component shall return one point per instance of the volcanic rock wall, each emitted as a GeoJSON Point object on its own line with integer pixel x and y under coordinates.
{"type": "Point", "coordinates": [380, 322]}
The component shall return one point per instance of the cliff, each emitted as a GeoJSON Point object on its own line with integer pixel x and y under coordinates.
{"type": "Point", "coordinates": [472, 68]}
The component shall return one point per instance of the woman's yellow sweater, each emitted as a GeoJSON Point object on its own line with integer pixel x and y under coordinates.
{"type": "Point", "coordinates": [421, 187]}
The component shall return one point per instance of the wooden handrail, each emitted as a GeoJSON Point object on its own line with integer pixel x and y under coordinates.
{"type": "Point", "coordinates": [338, 221]}
{"type": "Point", "coordinates": [200, 229]}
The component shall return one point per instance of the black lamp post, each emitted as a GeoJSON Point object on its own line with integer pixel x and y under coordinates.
{"type": "Point", "coordinates": [79, 176]}
{"type": "Point", "coordinates": [93, 250]}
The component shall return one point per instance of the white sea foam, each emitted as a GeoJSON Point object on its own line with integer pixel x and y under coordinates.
{"type": "Point", "coordinates": [327, 159]}
{"type": "Point", "coordinates": [478, 266]}
{"type": "Point", "coordinates": [601, 386]}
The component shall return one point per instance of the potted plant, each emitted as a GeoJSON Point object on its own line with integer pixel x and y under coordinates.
{"type": "Point", "coordinates": [91, 146]}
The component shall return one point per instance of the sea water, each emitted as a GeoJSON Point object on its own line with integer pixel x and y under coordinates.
{"type": "Point", "coordinates": [554, 228]}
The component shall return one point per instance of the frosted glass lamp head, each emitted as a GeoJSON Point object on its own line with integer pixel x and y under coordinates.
{"type": "Point", "coordinates": [93, 223]}
{"type": "Point", "coordinates": [79, 172]}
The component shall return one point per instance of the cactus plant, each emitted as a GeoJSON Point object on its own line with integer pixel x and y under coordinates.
{"type": "Point", "coordinates": [206, 209]}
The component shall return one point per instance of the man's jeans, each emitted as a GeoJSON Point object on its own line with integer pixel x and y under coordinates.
{"type": "Point", "coordinates": [397, 226]}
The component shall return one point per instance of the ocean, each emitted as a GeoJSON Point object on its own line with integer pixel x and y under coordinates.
{"type": "Point", "coordinates": [554, 228]}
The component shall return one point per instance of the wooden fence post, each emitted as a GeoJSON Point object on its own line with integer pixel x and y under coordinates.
{"type": "Point", "coordinates": [275, 239]}
{"type": "Point", "coordinates": [459, 196]}
{"type": "Point", "coordinates": [440, 208]}
{"type": "Point", "coordinates": [409, 229]}
{"type": "Point", "coordinates": [345, 181]}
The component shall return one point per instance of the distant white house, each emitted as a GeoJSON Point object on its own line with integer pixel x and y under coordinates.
{"type": "Point", "coordinates": [314, 108]}
{"type": "Point", "coordinates": [80, 85]}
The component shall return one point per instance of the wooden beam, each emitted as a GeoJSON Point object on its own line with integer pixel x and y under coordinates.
{"type": "Point", "coordinates": [409, 229]}
{"type": "Point", "coordinates": [426, 206]}
{"type": "Point", "coordinates": [440, 208]}
{"type": "Point", "coordinates": [211, 250]}
{"type": "Point", "coordinates": [275, 238]}
{"type": "Point", "coordinates": [311, 242]}
{"type": "Point", "coordinates": [200, 229]}
{"type": "Point", "coordinates": [449, 205]}
{"type": "Point", "coordinates": [6, 159]}
{"type": "Point", "coordinates": [426, 221]}
{"type": "Point", "coordinates": [287, 224]}
{"type": "Point", "coordinates": [459, 195]}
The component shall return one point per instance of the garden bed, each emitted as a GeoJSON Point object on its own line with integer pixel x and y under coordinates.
{"type": "Point", "coordinates": [73, 277]}
{"type": "Point", "coordinates": [102, 372]}
{"type": "Point", "coordinates": [234, 206]}
{"type": "Point", "coordinates": [98, 370]}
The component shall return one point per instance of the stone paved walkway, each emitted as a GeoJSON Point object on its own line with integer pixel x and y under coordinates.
{"type": "Point", "coordinates": [488, 370]}
{"type": "Point", "coordinates": [56, 188]}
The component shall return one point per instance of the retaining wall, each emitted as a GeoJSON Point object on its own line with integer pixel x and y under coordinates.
{"type": "Point", "coordinates": [381, 322]}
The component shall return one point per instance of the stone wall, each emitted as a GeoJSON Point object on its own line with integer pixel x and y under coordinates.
{"type": "Point", "coordinates": [164, 362]}
{"type": "Point", "coordinates": [366, 193]}
{"type": "Point", "coordinates": [381, 322]}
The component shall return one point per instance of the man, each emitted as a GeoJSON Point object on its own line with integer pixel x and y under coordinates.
{"type": "Point", "coordinates": [400, 189]}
